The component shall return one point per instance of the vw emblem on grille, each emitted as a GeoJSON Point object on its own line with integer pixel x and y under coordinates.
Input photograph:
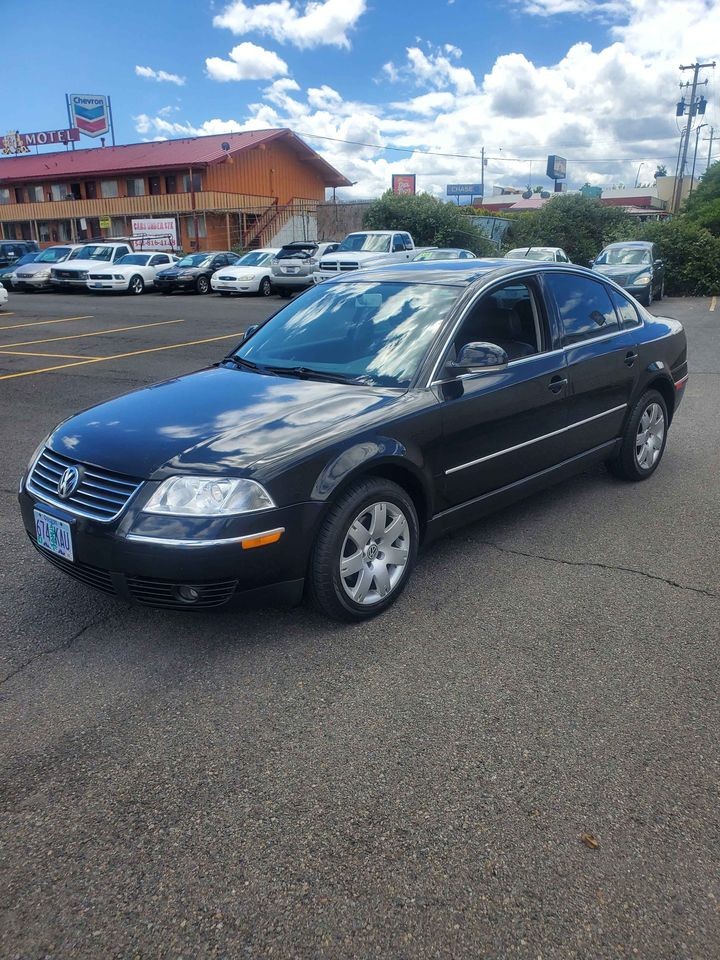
{"type": "Point", "coordinates": [67, 484]}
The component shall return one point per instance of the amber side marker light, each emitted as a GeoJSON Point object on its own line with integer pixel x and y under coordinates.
{"type": "Point", "coordinates": [263, 539]}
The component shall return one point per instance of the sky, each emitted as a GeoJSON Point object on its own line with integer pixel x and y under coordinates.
{"type": "Point", "coordinates": [384, 86]}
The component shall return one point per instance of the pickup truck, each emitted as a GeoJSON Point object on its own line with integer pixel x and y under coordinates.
{"type": "Point", "coordinates": [93, 256]}
{"type": "Point", "coordinates": [366, 248]}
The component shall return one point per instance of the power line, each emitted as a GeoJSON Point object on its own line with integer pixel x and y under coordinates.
{"type": "Point", "coordinates": [472, 156]}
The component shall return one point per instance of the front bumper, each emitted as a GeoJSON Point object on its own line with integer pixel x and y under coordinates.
{"type": "Point", "coordinates": [234, 286]}
{"type": "Point", "coordinates": [31, 283]}
{"type": "Point", "coordinates": [109, 284]}
{"type": "Point", "coordinates": [146, 558]}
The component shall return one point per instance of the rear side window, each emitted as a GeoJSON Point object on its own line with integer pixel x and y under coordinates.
{"type": "Point", "coordinates": [584, 305]}
{"type": "Point", "coordinates": [625, 310]}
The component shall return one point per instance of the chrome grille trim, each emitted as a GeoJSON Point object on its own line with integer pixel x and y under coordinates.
{"type": "Point", "coordinates": [100, 495]}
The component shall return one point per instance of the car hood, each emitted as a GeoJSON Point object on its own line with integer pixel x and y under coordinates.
{"type": "Point", "coordinates": [240, 271]}
{"type": "Point", "coordinates": [174, 271]}
{"type": "Point", "coordinates": [622, 270]}
{"type": "Point", "coordinates": [364, 256]}
{"type": "Point", "coordinates": [39, 267]}
{"type": "Point", "coordinates": [94, 265]}
{"type": "Point", "coordinates": [221, 420]}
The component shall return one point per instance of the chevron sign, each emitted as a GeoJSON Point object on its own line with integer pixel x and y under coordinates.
{"type": "Point", "coordinates": [90, 113]}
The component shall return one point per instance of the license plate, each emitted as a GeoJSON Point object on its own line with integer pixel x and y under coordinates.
{"type": "Point", "coordinates": [54, 535]}
{"type": "Point", "coordinates": [291, 269]}
{"type": "Point", "coordinates": [101, 286]}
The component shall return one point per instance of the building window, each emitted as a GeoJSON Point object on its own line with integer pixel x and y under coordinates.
{"type": "Point", "coordinates": [35, 194]}
{"type": "Point", "coordinates": [64, 232]}
{"type": "Point", "coordinates": [135, 187]}
{"type": "Point", "coordinates": [108, 188]}
{"type": "Point", "coordinates": [155, 186]}
{"type": "Point", "coordinates": [90, 190]}
{"type": "Point", "coordinates": [171, 184]}
{"type": "Point", "coordinates": [59, 191]}
{"type": "Point", "coordinates": [76, 191]}
{"type": "Point", "coordinates": [117, 226]}
{"type": "Point", "coordinates": [202, 227]}
{"type": "Point", "coordinates": [44, 230]}
{"type": "Point", "coordinates": [25, 231]}
{"type": "Point", "coordinates": [19, 195]}
{"type": "Point", "coordinates": [196, 182]}
{"type": "Point", "coordinates": [4, 195]}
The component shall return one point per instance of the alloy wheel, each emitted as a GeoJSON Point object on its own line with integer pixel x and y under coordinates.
{"type": "Point", "coordinates": [650, 436]}
{"type": "Point", "coordinates": [265, 287]}
{"type": "Point", "coordinates": [136, 285]}
{"type": "Point", "coordinates": [375, 553]}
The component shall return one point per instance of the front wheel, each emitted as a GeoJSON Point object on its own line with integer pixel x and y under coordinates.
{"type": "Point", "coordinates": [136, 285]}
{"type": "Point", "coordinates": [202, 285]}
{"type": "Point", "coordinates": [644, 438]}
{"type": "Point", "coordinates": [365, 551]}
{"type": "Point", "coordinates": [265, 288]}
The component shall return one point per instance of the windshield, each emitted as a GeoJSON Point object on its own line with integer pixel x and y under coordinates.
{"type": "Point", "coordinates": [378, 332]}
{"type": "Point", "coordinates": [534, 253]}
{"type": "Point", "coordinates": [631, 255]}
{"type": "Point", "coordinates": [365, 241]}
{"type": "Point", "coordinates": [54, 255]}
{"type": "Point", "coordinates": [192, 260]}
{"type": "Point", "coordinates": [137, 259]}
{"type": "Point", "coordinates": [95, 252]}
{"type": "Point", "coordinates": [252, 259]}
{"type": "Point", "coordinates": [26, 258]}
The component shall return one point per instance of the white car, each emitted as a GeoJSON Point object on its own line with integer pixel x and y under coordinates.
{"type": "Point", "coordinates": [3, 296]}
{"type": "Point", "coordinates": [249, 274]}
{"type": "Point", "coordinates": [131, 274]}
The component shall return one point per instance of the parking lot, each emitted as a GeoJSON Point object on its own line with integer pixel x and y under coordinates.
{"type": "Point", "coordinates": [272, 784]}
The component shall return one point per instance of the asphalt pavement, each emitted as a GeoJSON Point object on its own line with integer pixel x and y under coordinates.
{"type": "Point", "coordinates": [520, 759]}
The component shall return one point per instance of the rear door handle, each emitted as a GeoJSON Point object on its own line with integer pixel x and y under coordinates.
{"type": "Point", "coordinates": [557, 384]}
{"type": "Point", "coordinates": [630, 358]}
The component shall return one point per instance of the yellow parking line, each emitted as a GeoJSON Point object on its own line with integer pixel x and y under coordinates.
{"type": "Point", "coordinates": [61, 356]}
{"type": "Point", "coordinates": [94, 333]}
{"type": "Point", "coordinates": [713, 304]}
{"type": "Point", "coordinates": [120, 356]}
{"type": "Point", "coordinates": [39, 323]}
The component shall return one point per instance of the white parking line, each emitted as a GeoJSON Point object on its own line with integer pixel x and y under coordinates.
{"type": "Point", "coordinates": [713, 304]}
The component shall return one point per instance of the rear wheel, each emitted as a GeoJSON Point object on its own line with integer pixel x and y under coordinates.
{"type": "Point", "coordinates": [365, 551]}
{"type": "Point", "coordinates": [265, 288]}
{"type": "Point", "coordinates": [202, 285]}
{"type": "Point", "coordinates": [643, 442]}
{"type": "Point", "coordinates": [136, 285]}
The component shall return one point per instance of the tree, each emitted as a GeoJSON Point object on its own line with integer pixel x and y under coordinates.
{"type": "Point", "coordinates": [691, 255]}
{"type": "Point", "coordinates": [703, 206]}
{"type": "Point", "coordinates": [580, 225]}
{"type": "Point", "coordinates": [431, 222]}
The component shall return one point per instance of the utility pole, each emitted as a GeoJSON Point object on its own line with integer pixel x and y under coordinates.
{"type": "Point", "coordinates": [482, 175]}
{"type": "Point", "coordinates": [693, 107]}
{"type": "Point", "coordinates": [710, 138]}
{"type": "Point", "coordinates": [697, 140]}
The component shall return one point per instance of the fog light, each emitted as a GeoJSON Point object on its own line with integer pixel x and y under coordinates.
{"type": "Point", "coordinates": [188, 594]}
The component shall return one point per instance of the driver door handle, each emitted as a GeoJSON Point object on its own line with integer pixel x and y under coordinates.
{"type": "Point", "coordinates": [557, 384]}
{"type": "Point", "coordinates": [630, 358]}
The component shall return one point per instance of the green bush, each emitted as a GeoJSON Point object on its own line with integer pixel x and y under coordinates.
{"type": "Point", "coordinates": [581, 226]}
{"type": "Point", "coordinates": [431, 222]}
{"type": "Point", "coordinates": [691, 255]}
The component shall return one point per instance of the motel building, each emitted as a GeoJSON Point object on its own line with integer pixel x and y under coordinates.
{"type": "Point", "coordinates": [233, 190]}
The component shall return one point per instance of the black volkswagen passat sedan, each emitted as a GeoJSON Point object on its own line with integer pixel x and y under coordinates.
{"type": "Point", "coordinates": [370, 414]}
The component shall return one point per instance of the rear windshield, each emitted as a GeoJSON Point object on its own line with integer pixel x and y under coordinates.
{"type": "Point", "coordinates": [296, 253]}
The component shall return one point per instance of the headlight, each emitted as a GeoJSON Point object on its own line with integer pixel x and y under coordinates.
{"type": "Point", "coordinates": [245, 276]}
{"type": "Point", "coordinates": [644, 278]}
{"type": "Point", "coordinates": [185, 276]}
{"type": "Point", "coordinates": [118, 276]}
{"type": "Point", "coordinates": [82, 275]}
{"type": "Point", "coordinates": [203, 497]}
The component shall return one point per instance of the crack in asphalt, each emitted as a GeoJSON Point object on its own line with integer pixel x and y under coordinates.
{"type": "Point", "coordinates": [602, 566]}
{"type": "Point", "coordinates": [65, 645]}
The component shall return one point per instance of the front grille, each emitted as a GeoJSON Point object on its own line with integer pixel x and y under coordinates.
{"type": "Point", "coordinates": [163, 593]}
{"type": "Point", "coordinates": [328, 265]}
{"type": "Point", "coordinates": [349, 266]}
{"type": "Point", "coordinates": [100, 494]}
{"type": "Point", "coordinates": [100, 276]}
{"type": "Point", "coordinates": [92, 576]}
{"type": "Point", "coordinates": [23, 276]}
{"type": "Point", "coordinates": [70, 274]}
{"type": "Point", "coordinates": [227, 278]}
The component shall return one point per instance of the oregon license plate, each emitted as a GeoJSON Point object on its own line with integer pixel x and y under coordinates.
{"type": "Point", "coordinates": [53, 535]}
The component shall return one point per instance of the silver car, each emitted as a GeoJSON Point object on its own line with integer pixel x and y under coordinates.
{"type": "Point", "coordinates": [295, 263]}
{"type": "Point", "coordinates": [36, 276]}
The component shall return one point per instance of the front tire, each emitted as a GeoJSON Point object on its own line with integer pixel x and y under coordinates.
{"type": "Point", "coordinates": [265, 288]}
{"type": "Point", "coordinates": [202, 285]}
{"type": "Point", "coordinates": [136, 285]}
{"type": "Point", "coordinates": [365, 551]}
{"type": "Point", "coordinates": [644, 439]}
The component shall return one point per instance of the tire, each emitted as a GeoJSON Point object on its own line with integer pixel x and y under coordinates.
{"type": "Point", "coordinates": [639, 459]}
{"type": "Point", "coordinates": [370, 584]}
{"type": "Point", "coordinates": [202, 285]}
{"type": "Point", "coordinates": [265, 288]}
{"type": "Point", "coordinates": [136, 285]}
{"type": "Point", "coordinates": [647, 298]}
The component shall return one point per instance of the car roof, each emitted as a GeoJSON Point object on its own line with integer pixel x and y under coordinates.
{"type": "Point", "coordinates": [459, 273]}
{"type": "Point", "coordinates": [628, 243]}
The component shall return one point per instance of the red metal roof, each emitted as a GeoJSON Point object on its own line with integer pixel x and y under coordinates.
{"type": "Point", "coordinates": [158, 154]}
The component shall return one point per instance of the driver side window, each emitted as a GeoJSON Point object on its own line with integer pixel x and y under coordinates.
{"type": "Point", "coordinates": [507, 317]}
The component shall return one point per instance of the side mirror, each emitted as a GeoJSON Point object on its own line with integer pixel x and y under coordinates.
{"type": "Point", "coordinates": [591, 263]}
{"type": "Point", "coordinates": [480, 357]}
{"type": "Point", "coordinates": [250, 331]}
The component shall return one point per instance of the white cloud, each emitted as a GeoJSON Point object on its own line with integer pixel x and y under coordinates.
{"type": "Point", "coordinates": [590, 105]}
{"type": "Point", "coordinates": [316, 23]}
{"type": "Point", "coordinates": [247, 62]}
{"type": "Point", "coordinates": [161, 76]}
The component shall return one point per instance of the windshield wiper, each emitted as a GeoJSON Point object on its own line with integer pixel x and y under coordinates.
{"type": "Point", "coordinates": [308, 373]}
{"type": "Point", "coordinates": [239, 362]}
